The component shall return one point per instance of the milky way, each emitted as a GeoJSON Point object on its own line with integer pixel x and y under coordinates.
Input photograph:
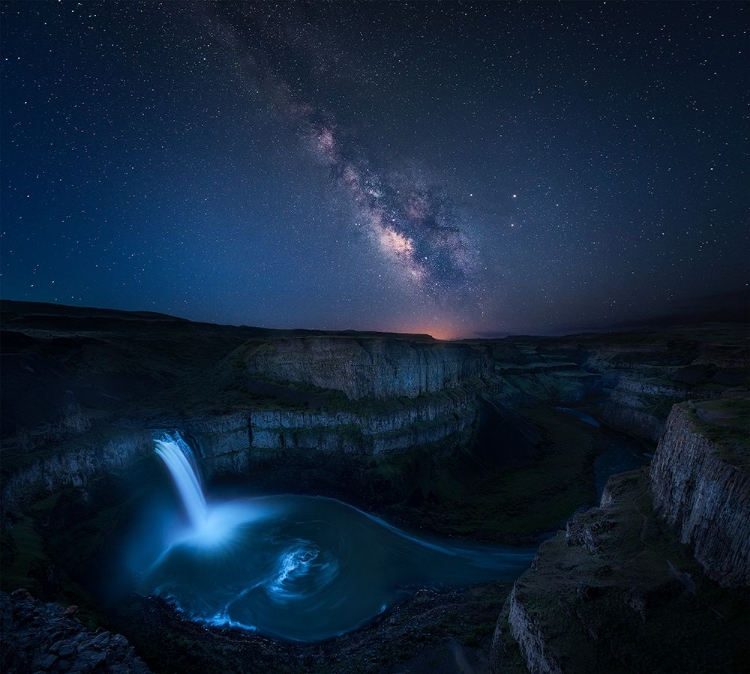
{"type": "Point", "coordinates": [412, 223]}
{"type": "Point", "coordinates": [458, 168]}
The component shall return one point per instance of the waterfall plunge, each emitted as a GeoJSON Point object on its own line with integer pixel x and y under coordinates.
{"type": "Point", "coordinates": [300, 567]}
{"type": "Point", "coordinates": [211, 524]}
{"type": "Point", "coordinates": [175, 453]}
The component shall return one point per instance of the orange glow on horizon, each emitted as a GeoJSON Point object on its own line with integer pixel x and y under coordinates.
{"type": "Point", "coordinates": [440, 333]}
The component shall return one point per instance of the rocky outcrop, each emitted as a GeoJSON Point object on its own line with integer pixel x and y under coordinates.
{"type": "Point", "coordinates": [705, 494]}
{"type": "Point", "coordinates": [364, 367]}
{"type": "Point", "coordinates": [530, 637]}
{"type": "Point", "coordinates": [639, 406]}
{"type": "Point", "coordinates": [39, 637]}
{"type": "Point", "coordinates": [614, 593]}
{"type": "Point", "coordinates": [226, 443]}
{"type": "Point", "coordinates": [72, 463]}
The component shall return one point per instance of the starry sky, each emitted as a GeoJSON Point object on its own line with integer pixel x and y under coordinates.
{"type": "Point", "coordinates": [461, 169]}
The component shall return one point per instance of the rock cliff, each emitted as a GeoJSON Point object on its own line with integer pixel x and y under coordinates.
{"type": "Point", "coordinates": [364, 367]}
{"type": "Point", "coordinates": [639, 405]}
{"type": "Point", "coordinates": [227, 443]}
{"type": "Point", "coordinates": [71, 463]}
{"type": "Point", "coordinates": [83, 389]}
{"type": "Point", "coordinates": [616, 593]}
{"type": "Point", "coordinates": [530, 636]}
{"type": "Point", "coordinates": [702, 485]}
{"type": "Point", "coordinates": [644, 372]}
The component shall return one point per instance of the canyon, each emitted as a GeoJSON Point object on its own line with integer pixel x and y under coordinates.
{"type": "Point", "coordinates": [467, 439]}
{"type": "Point", "coordinates": [648, 566]}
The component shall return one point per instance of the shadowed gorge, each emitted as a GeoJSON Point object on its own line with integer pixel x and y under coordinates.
{"type": "Point", "coordinates": [352, 526]}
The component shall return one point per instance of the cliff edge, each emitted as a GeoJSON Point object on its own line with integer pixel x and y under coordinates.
{"type": "Point", "coordinates": [616, 592]}
{"type": "Point", "coordinates": [364, 368]}
{"type": "Point", "coordinates": [701, 483]}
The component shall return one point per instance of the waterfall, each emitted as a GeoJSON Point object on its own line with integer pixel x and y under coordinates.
{"type": "Point", "coordinates": [176, 454]}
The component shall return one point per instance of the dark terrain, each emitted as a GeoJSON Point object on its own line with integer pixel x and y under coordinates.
{"type": "Point", "coordinates": [476, 440]}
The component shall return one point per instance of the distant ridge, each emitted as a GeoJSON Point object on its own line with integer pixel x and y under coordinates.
{"type": "Point", "coordinates": [42, 315]}
{"type": "Point", "coordinates": [50, 309]}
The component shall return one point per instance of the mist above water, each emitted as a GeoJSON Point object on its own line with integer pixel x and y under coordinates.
{"type": "Point", "coordinates": [299, 567]}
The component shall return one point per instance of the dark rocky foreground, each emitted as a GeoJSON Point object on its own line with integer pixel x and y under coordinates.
{"type": "Point", "coordinates": [39, 637]}
{"type": "Point", "coordinates": [435, 631]}
{"type": "Point", "coordinates": [458, 439]}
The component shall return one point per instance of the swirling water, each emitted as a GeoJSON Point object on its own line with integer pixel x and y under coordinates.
{"type": "Point", "coordinates": [305, 568]}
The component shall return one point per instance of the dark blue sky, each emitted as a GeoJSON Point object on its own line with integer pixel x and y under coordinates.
{"type": "Point", "coordinates": [441, 167]}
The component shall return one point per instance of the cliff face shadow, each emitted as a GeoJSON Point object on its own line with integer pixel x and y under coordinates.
{"type": "Point", "coordinates": [504, 437]}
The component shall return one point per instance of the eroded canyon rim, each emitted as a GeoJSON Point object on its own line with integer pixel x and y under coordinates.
{"type": "Point", "coordinates": [460, 439]}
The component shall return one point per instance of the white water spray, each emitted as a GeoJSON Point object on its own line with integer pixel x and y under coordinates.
{"type": "Point", "coordinates": [175, 453]}
{"type": "Point", "coordinates": [298, 567]}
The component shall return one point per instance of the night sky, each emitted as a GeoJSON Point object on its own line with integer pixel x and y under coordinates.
{"type": "Point", "coordinates": [455, 168]}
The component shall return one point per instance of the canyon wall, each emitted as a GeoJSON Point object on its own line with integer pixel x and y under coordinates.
{"type": "Point", "coordinates": [72, 464]}
{"type": "Point", "coordinates": [644, 373]}
{"type": "Point", "coordinates": [614, 593]}
{"type": "Point", "coordinates": [529, 634]}
{"type": "Point", "coordinates": [616, 565]}
{"type": "Point", "coordinates": [226, 443]}
{"type": "Point", "coordinates": [702, 488]}
{"type": "Point", "coordinates": [331, 393]}
{"type": "Point", "coordinates": [540, 382]}
{"type": "Point", "coordinates": [364, 367]}
{"type": "Point", "coordinates": [639, 407]}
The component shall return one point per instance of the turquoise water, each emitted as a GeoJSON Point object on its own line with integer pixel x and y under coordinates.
{"type": "Point", "coordinates": [302, 568]}
{"type": "Point", "coordinates": [308, 568]}
{"type": "Point", "coordinates": [586, 418]}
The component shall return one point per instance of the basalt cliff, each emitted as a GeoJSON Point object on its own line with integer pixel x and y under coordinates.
{"type": "Point", "coordinates": [700, 479]}
{"type": "Point", "coordinates": [83, 392]}
{"type": "Point", "coordinates": [655, 548]}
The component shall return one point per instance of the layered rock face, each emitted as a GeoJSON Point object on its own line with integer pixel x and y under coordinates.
{"type": "Point", "coordinates": [641, 374]}
{"type": "Point", "coordinates": [227, 443]}
{"type": "Point", "coordinates": [639, 407]}
{"type": "Point", "coordinates": [432, 420]}
{"type": "Point", "coordinates": [83, 389]}
{"type": "Point", "coordinates": [529, 634]}
{"type": "Point", "coordinates": [365, 368]}
{"type": "Point", "coordinates": [702, 488]}
{"type": "Point", "coordinates": [645, 372]}
{"type": "Point", "coordinates": [413, 393]}
{"type": "Point", "coordinates": [73, 463]}
{"type": "Point", "coordinates": [615, 593]}
{"type": "Point", "coordinates": [39, 637]}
